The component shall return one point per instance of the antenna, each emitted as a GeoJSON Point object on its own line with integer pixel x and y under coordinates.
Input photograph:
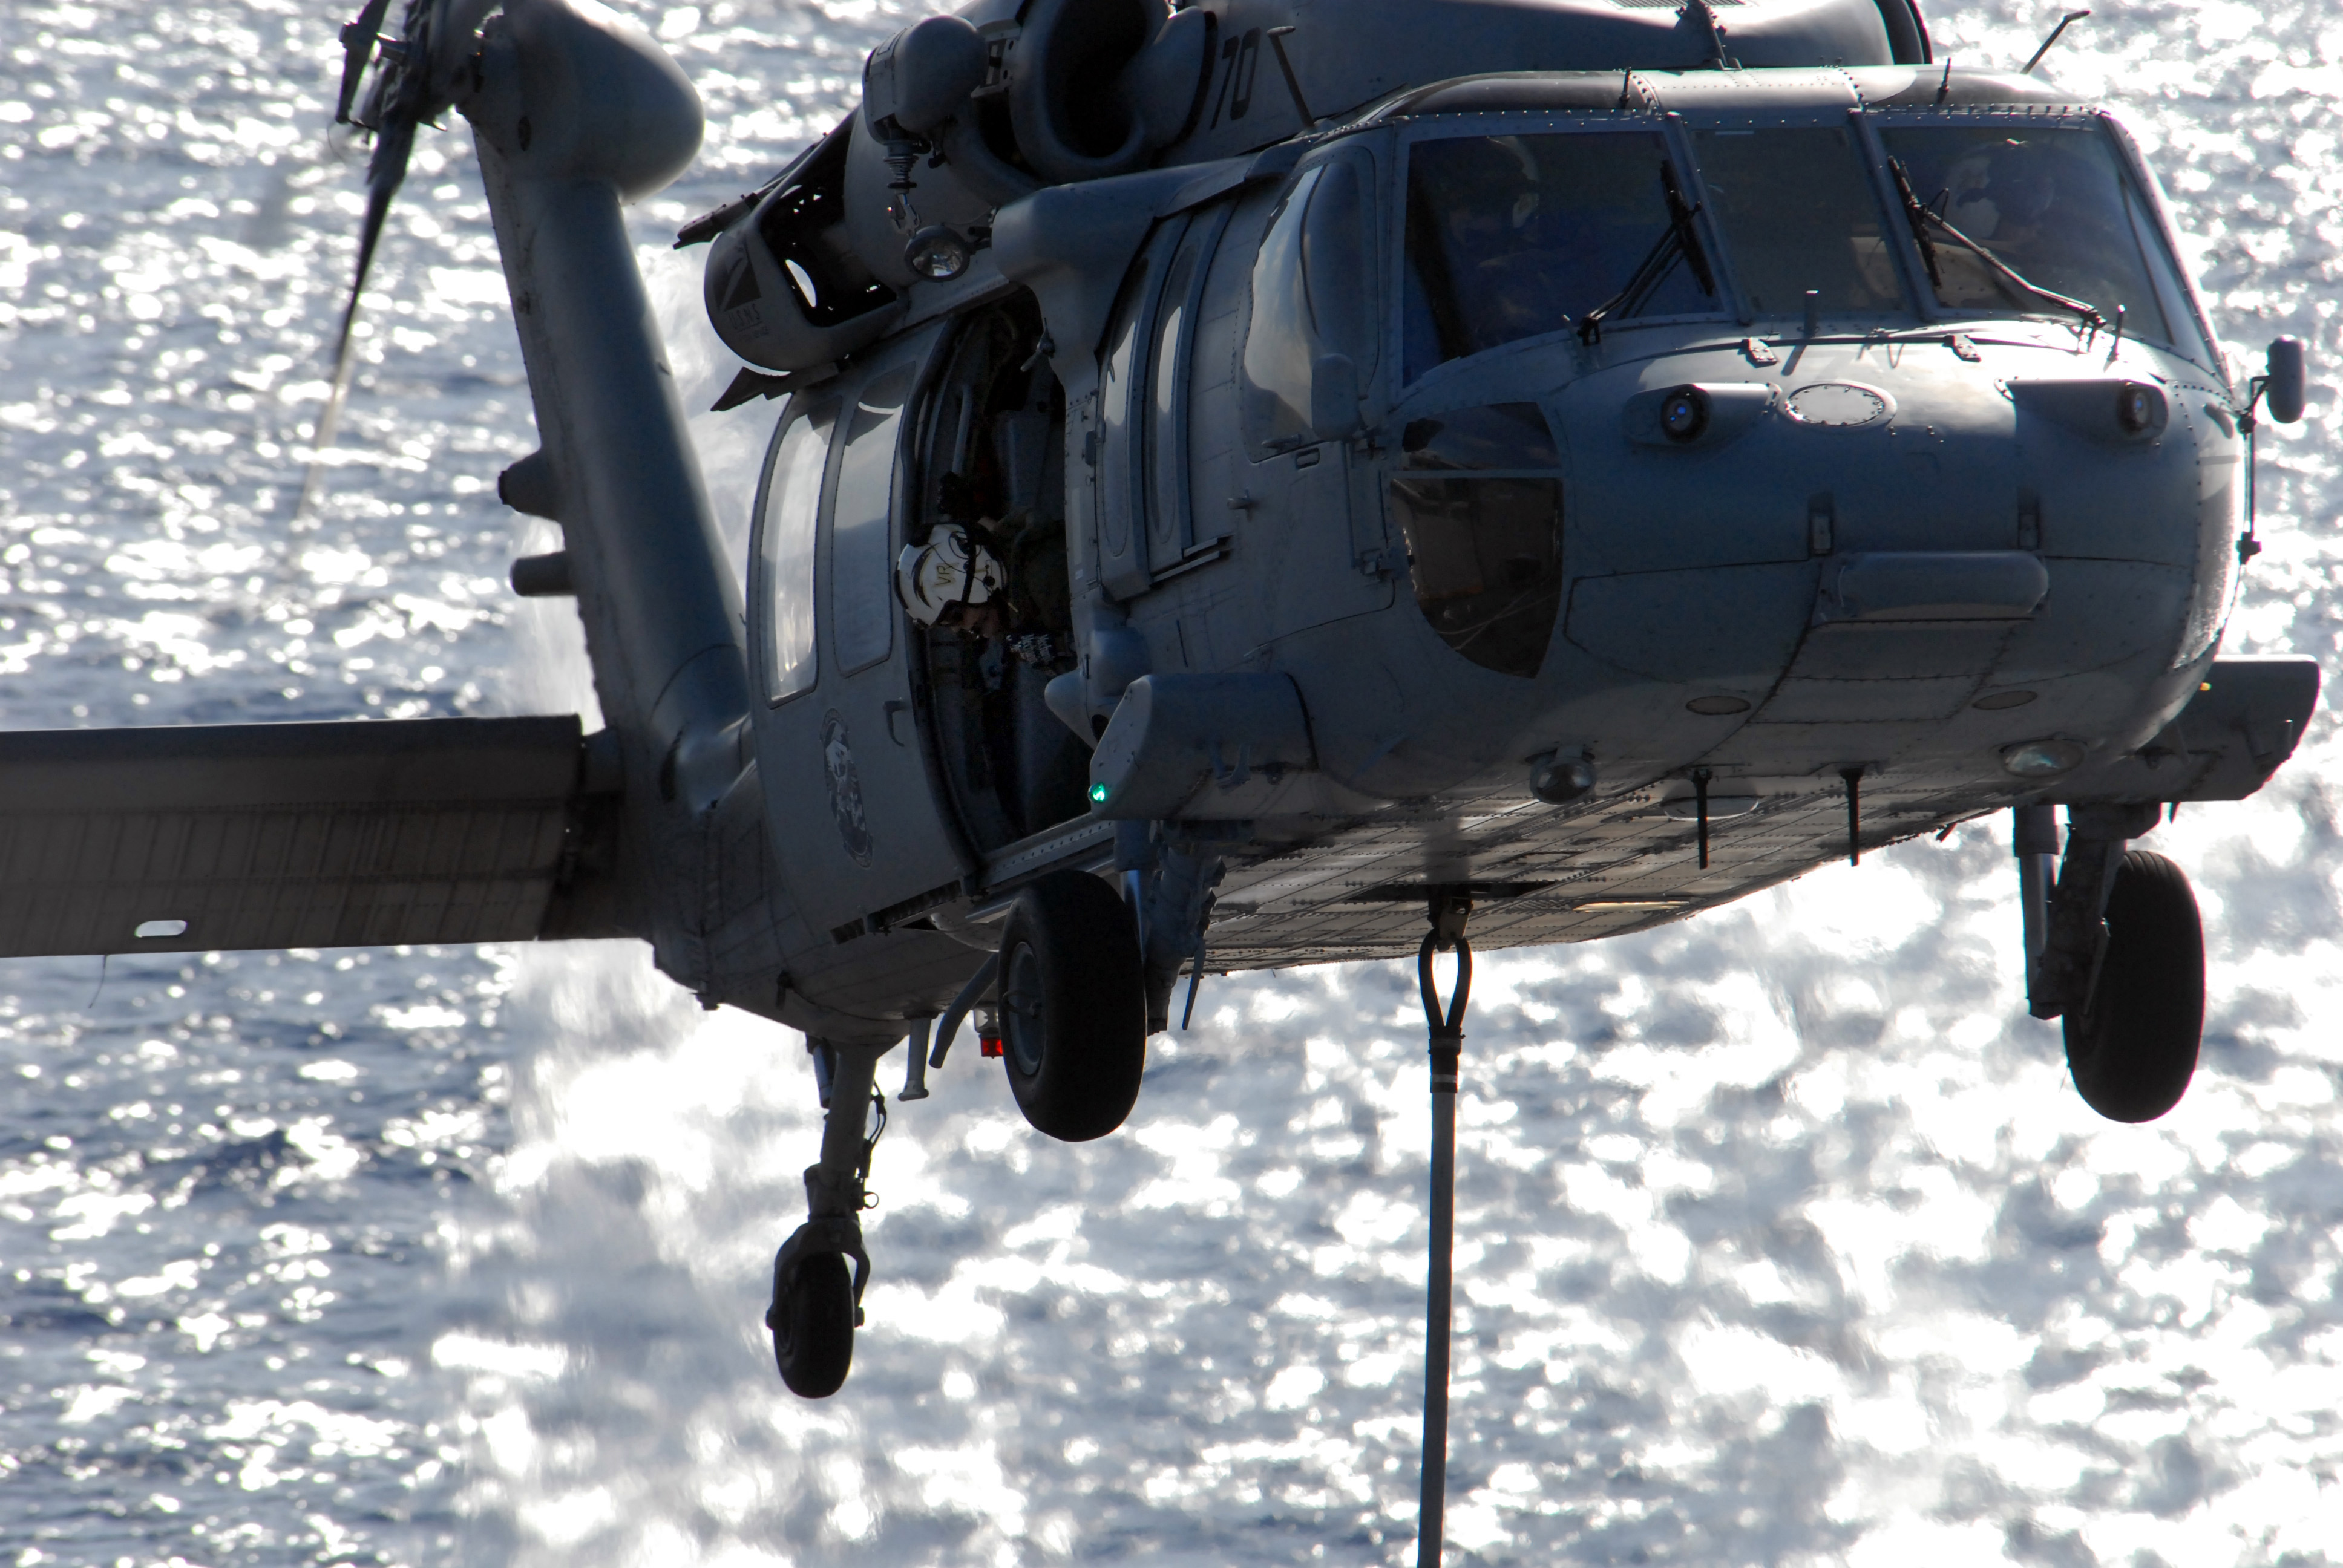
{"type": "Point", "coordinates": [1704, 13]}
{"type": "Point", "coordinates": [2068, 20]}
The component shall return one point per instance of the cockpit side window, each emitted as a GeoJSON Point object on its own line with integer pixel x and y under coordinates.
{"type": "Point", "coordinates": [786, 553]}
{"type": "Point", "coordinates": [1313, 292]}
{"type": "Point", "coordinates": [1277, 350]}
{"type": "Point", "coordinates": [1516, 237]}
{"type": "Point", "coordinates": [1798, 212]}
{"type": "Point", "coordinates": [2011, 211]}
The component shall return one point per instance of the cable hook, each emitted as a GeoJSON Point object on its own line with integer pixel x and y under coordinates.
{"type": "Point", "coordinates": [1445, 1026]}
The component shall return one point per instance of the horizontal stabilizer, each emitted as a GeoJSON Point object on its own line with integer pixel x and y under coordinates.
{"type": "Point", "coordinates": [205, 837]}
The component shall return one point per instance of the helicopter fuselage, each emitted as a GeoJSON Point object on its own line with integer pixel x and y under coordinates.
{"type": "Point", "coordinates": [1898, 561]}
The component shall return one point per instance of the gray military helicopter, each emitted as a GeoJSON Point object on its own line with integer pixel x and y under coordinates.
{"type": "Point", "coordinates": [1250, 479]}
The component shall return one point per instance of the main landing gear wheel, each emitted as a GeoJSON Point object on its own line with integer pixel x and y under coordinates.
{"type": "Point", "coordinates": [1073, 1007]}
{"type": "Point", "coordinates": [812, 1320]}
{"type": "Point", "coordinates": [2134, 1052]}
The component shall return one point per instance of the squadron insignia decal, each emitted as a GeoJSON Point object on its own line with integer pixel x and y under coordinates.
{"type": "Point", "coordinates": [845, 788]}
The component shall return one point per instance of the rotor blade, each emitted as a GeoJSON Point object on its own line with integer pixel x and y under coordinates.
{"type": "Point", "coordinates": [403, 97]}
{"type": "Point", "coordinates": [385, 170]}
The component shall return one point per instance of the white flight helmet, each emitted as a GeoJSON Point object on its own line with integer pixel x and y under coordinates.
{"type": "Point", "coordinates": [949, 569]}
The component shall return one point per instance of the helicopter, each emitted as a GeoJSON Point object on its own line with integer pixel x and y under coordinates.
{"type": "Point", "coordinates": [1269, 482]}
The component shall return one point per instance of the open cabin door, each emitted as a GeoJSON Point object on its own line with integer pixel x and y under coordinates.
{"type": "Point", "coordinates": [857, 826]}
{"type": "Point", "coordinates": [991, 454]}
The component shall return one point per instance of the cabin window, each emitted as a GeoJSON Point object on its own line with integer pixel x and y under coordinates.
{"type": "Point", "coordinates": [2051, 205]}
{"type": "Point", "coordinates": [1510, 237]}
{"type": "Point", "coordinates": [862, 564]}
{"type": "Point", "coordinates": [1125, 360]}
{"type": "Point", "coordinates": [1483, 532]}
{"type": "Point", "coordinates": [1798, 213]}
{"type": "Point", "coordinates": [1168, 395]}
{"type": "Point", "coordinates": [792, 506]}
{"type": "Point", "coordinates": [1166, 449]}
{"type": "Point", "coordinates": [1313, 298]}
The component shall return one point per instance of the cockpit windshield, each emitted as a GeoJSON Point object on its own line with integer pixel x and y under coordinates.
{"type": "Point", "coordinates": [2038, 221]}
{"type": "Point", "coordinates": [1799, 215]}
{"type": "Point", "coordinates": [1514, 236]}
{"type": "Point", "coordinates": [1517, 237]}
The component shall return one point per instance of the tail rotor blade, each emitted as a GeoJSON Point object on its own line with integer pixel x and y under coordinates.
{"type": "Point", "coordinates": [398, 102]}
{"type": "Point", "coordinates": [385, 170]}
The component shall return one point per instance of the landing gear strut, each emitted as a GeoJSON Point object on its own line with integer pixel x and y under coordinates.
{"type": "Point", "coordinates": [2115, 949]}
{"type": "Point", "coordinates": [816, 1306]}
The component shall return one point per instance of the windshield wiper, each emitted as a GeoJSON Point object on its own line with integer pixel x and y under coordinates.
{"type": "Point", "coordinates": [1921, 215]}
{"type": "Point", "coordinates": [1681, 242]}
{"type": "Point", "coordinates": [1917, 213]}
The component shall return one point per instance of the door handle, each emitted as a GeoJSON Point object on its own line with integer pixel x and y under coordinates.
{"type": "Point", "coordinates": [895, 707]}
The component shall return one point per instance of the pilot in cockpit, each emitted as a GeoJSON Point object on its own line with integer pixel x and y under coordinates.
{"type": "Point", "coordinates": [2002, 194]}
{"type": "Point", "coordinates": [1510, 247]}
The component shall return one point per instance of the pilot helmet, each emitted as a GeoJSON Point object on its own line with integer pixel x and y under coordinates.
{"type": "Point", "coordinates": [950, 569]}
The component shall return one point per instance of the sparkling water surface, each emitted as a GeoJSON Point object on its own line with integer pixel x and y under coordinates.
{"type": "Point", "coordinates": [1783, 1240]}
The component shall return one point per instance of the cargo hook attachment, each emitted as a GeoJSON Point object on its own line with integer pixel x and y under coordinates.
{"type": "Point", "coordinates": [1445, 1030]}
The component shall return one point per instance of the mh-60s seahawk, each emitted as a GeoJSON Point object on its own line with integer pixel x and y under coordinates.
{"type": "Point", "coordinates": [1245, 478]}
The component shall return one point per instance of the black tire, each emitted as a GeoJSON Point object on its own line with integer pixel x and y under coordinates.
{"type": "Point", "coordinates": [2133, 1053]}
{"type": "Point", "coordinates": [813, 1325]}
{"type": "Point", "coordinates": [1073, 1007]}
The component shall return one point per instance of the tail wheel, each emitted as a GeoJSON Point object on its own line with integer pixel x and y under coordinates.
{"type": "Point", "coordinates": [812, 1320]}
{"type": "Point", "coordinates": [1073, 1007]}
{"type": "Point", "coordinates": [2134, 1051]}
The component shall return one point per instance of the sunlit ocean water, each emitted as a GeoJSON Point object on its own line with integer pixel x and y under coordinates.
{"type": "Point", "coordinates": [1781, 1239]}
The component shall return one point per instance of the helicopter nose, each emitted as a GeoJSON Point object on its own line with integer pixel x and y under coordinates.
{"type": "Point", "coordinates": [1728, 512]}
{"type": "Point", "coordinates": [1843, 550]}
{"type": "Point", "coordinates": [1742, 463]}
{"type": "Point", "coordinates": [1721, 471]}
